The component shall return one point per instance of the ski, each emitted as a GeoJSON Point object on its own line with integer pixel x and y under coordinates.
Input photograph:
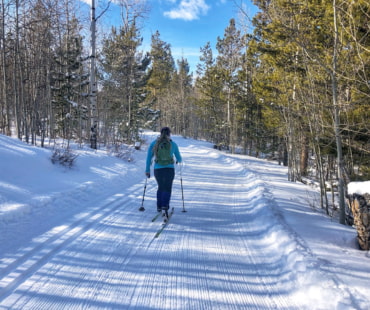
{"type": "Point", "coordinates": [156, 216]}
{"type": "Point", "coordinates": [164, 224]}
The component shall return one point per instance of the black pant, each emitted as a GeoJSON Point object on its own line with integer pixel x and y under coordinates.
{"type": "Point", "coordinates": [164, 178]}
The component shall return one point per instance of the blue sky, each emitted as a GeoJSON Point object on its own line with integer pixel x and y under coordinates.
{"type": "Point", "coordinates": [187, 25]}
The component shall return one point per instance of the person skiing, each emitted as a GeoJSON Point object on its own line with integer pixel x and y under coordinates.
{"type": "Point", "coordinates": [163, 149]}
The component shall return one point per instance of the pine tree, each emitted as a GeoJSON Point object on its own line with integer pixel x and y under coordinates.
{"type": "Point", "coordinates": [229, 62]}
{"type": "Point", "coordinates": [181, 88]}
{"type": "Point", "coordinates": [69, 83]}
{"type": "Point", "coordinates": [124, 71]}
{"type": "Point", "coordinates": [161, 74]}
{"type": "Point", "coordinates": [210, 101]}
{"type": "Point", "coordinates": [308, 60]}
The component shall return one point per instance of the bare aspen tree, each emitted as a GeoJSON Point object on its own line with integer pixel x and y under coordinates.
{"type": "Point", "coordinates": [93, 88]}
{"type": "Point", "coordinates": [5, 116]}
{"type": "Point", "coordinates": [17, 74]}
{"type": "Point", "coordinates": [337, 129]}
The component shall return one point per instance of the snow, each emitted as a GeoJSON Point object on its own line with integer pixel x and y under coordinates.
{"type": "Point", "coordinates": [359, 188]}
{"type": "Point", "coordinates": [74, 239]}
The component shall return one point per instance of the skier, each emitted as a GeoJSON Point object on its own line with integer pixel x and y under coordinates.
{"type": "Point", "coordinates": [163, 149]}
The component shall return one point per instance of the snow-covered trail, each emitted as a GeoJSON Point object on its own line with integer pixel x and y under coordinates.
{"type": "Point", "coordinates": [210, 257]}
{"type": "Point", "coordinates": [230, 250]}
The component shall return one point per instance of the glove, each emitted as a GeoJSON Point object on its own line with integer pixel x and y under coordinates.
{"type": "Point", "coordinates": [147, 174]}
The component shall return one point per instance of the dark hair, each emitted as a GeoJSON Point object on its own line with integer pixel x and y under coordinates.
{"type": "Point", "coordinates": [165, 131]}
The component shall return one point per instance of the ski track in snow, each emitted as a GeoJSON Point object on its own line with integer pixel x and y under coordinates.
{"type": "Point", "coordinates": [230, 250]}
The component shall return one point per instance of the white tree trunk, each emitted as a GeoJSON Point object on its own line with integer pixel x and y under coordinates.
{"type": "Point", "coordinates": [93, 88]}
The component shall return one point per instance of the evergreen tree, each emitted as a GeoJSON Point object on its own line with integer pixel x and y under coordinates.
{"type": "Point", "coordinates": [229, 62]}
{"type": "Point", "coordinates": [68, 83]}
{"type": "Point", "coordinates": [161, 74]}
{"type": "Point", "coordinates": [210, 102]}
{"type": "Point", "coordinates": [124, 72]}
{"type": "Point", "coordinates": [309, 59]}
{"type": "Point", "coordinates": [182, 102]}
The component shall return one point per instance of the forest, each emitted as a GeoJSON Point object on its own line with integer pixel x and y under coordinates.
{"type": "Point", "coordinates": [294, 89]}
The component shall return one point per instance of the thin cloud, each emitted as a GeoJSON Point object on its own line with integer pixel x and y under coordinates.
{"type": "Point", "coordinates": [188, 10]}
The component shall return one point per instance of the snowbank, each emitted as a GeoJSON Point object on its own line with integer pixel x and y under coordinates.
{"type": "Point", "coordinates": [359, 188]}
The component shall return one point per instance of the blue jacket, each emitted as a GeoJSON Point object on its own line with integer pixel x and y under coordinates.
{"type": "Point", "coordinates": [174, 151]}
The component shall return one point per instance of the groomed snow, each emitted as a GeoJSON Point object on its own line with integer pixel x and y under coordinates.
{"type": "Point", "coordinates": [74, 238]}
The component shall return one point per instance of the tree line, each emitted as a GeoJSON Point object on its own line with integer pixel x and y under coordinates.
{"type": "Point", "coordinates": [296, 87]}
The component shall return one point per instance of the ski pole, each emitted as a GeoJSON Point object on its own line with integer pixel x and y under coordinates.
{"type": "Point", "coordinates": [142, 202]}
{"type": "Point", "coordinates": [182, 191]}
